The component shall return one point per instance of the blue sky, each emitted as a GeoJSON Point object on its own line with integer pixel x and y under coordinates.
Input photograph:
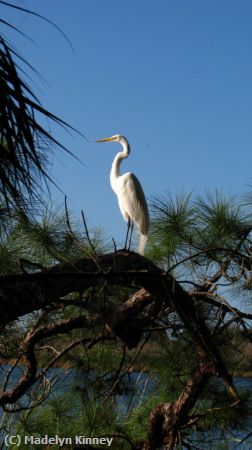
{"type": "Point", "coordinates": [175, 77]}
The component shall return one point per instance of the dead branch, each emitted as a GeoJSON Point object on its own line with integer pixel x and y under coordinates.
{"type": "Point", "coordinates": [28, 351]}
{"type": "Point", "coordinates": [156, 291]}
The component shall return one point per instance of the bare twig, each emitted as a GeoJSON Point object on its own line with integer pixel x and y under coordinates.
{"type": "Point", "coordinates": [72, 234]}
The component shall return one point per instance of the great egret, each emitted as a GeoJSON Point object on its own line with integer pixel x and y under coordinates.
{"type": "Point", "coordinates": [130, 194]}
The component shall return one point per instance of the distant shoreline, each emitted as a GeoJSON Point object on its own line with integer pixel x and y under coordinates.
{"type": "Point", "coordinates": [242, 374]}
{"type": "Point", "coordinates": [63, 365]}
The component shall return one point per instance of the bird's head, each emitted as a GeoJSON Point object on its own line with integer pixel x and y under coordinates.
{"type": "Point", "coordinates": [115, 138]}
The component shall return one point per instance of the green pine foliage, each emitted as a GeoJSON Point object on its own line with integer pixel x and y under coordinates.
{"type": "Point", "coordinates": [45, 241]}
{"type": "Point", "coordinates": [101, 390]}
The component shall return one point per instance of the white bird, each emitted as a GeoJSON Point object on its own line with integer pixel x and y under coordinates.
{"type": "Point", "coordinates": [130, 194]}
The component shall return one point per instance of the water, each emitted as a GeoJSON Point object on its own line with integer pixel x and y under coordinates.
{"type": "Point", "coordinates": [233, 439]}
{"type": "Point", "coordinates": [143, 387]}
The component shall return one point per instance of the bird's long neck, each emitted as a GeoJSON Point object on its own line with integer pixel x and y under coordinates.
{"type": "Point", "coordinates": [115, 168]}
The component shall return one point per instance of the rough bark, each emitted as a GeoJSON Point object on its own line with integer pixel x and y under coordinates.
{"type": "Point", "coordinates": [27, 292]}
{"type": "Point", "coordinates": [155, 291]}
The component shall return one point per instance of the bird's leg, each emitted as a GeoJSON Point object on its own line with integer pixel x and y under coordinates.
{"type": "Point", "coordinates": [131, 231]}
{"type": "Point", "coordinates": [127, 234]}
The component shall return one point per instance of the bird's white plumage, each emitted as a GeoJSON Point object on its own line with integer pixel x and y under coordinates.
{"type": "Point", "coordinates": [132, 201]}
{"type": "Point", "coordinates": [131, 198]}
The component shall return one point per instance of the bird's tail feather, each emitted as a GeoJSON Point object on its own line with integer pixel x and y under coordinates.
{"type": "Point", "coordinates": [142, 242]}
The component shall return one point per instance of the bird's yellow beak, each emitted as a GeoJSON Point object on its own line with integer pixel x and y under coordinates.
{"type": "Point", "coordinates": [105, 139]}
